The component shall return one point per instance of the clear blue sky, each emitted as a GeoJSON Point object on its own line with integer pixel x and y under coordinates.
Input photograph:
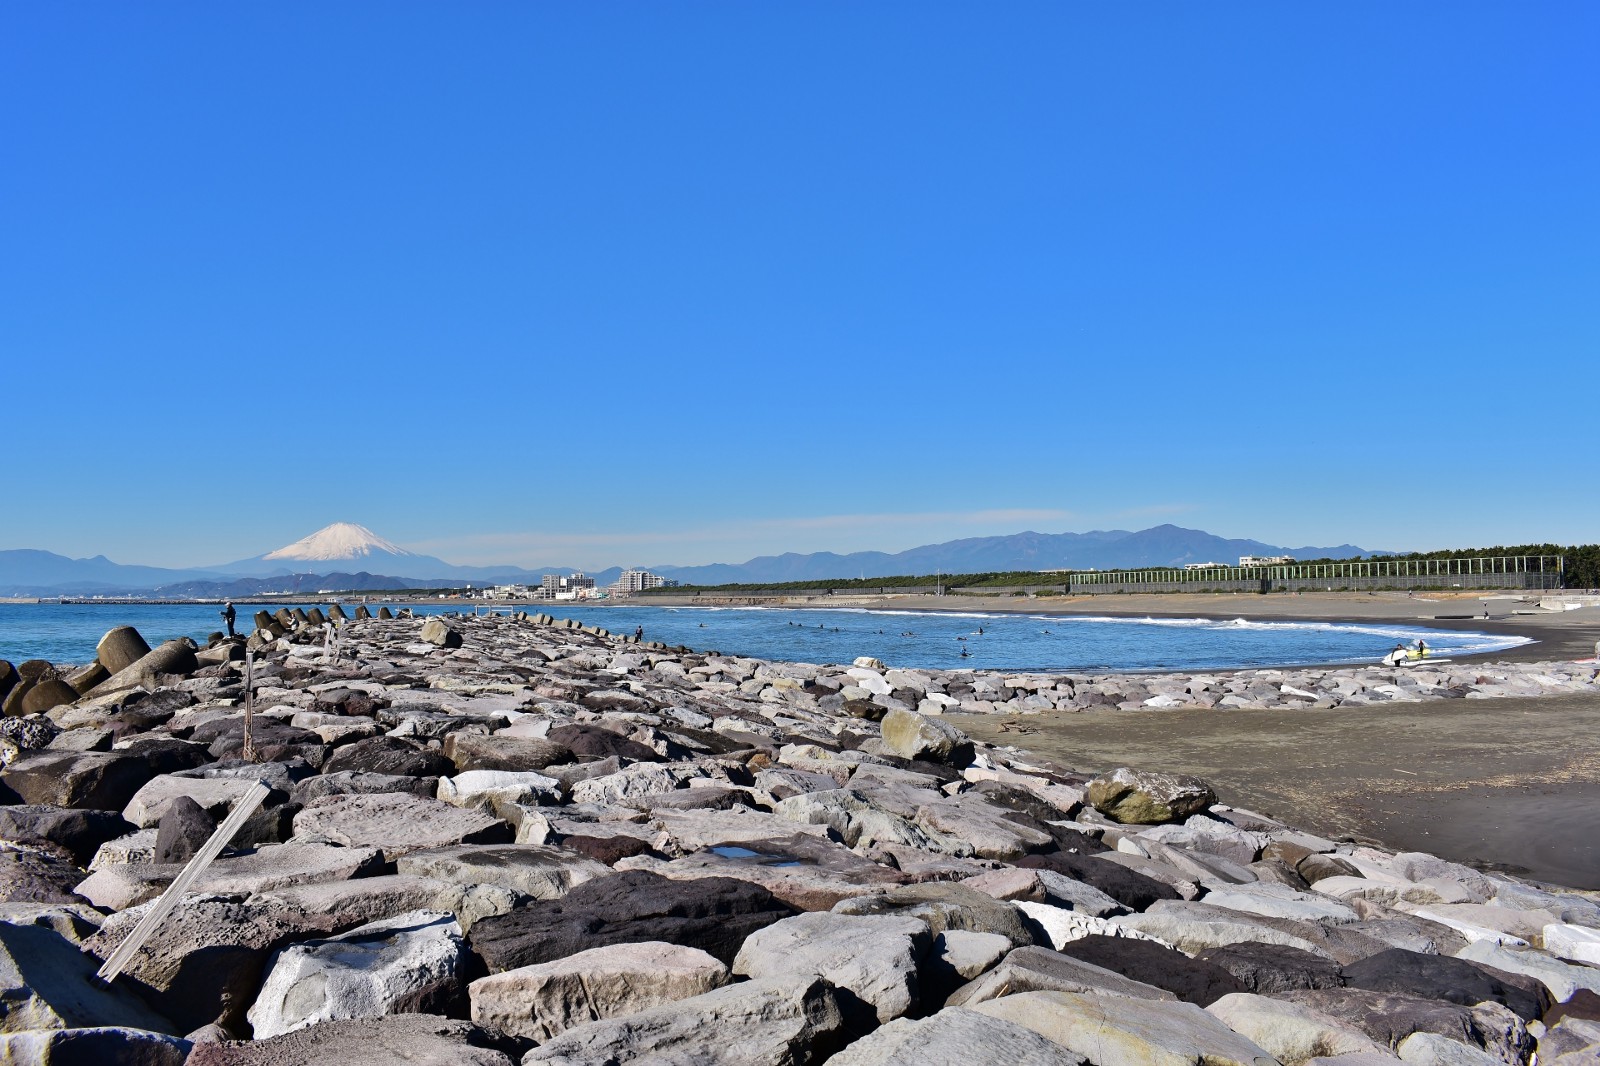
{"type": "Point", "coordinates": [677, 283]}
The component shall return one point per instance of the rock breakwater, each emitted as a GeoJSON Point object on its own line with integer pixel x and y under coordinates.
{"type": "Point", "coordinates": [511, 839]}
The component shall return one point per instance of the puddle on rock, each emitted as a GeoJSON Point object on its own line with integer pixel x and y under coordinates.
{"type": "Point", "coordinates": [732, 851]}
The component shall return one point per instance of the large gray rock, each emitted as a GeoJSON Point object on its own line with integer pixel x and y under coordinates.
{"type": "Point", "coordinates": [185, 827]}
{"type": "Point", "coordinates": [1193, 927]}
{"type": "Point", "coordinates": [470, 751]}
{"type": "Point", "coordinates": [338, 906]}
{"type": "Point", "coordinates": [1291, 1032]}
{"type": "Point", "coordinates": [945, 906]}
{"type": "Point", "coordinates": [861, 823]}
{"type": "Point", "coordinates": [809, 873]}
{"type": "Point", "coordinates": [437, 631]}
{"type": "Point", "coordinates": [1043, 970]}
{"type": "Point", "coordinates": [876, 958]}
{"type": "Point", "coordinates": [1117, 1031]}
{"type": "Point", "coordinates": [90, 780]}
{"type": "Point", "coordinates": [773, 1021]}
{"type": "Point", "coordinates": [712, 914]}
{"type": "Point", "coordinates": [47, 983]}
{"type": "Point", "coordinates": [1562, 979]}
{"type": "Point", "coordinates": [993, 835]}
{"type": "Point", "coordinates": [217, 795]}
{"type": "Point", "coordinates": [1143, 797]}
{"type": "Point", "coordinates": [917, 736]}
{"type": "Point", "coordinates": [1044, 886]}
{"type": "Point", "coordinates": [544, 1000]}
{"type": "Point", "coordinates": [35, 874]}
{"type": "Point", "coordinates": [120, 886]}
{"type": "Point", "coordinates": [396, 824]}
{"type": "Point", "coordinates": [1388, 1018]}
{"type": "Point", "coordinates": [407, 964]}
{"type": "Point", "coordinates": [414, 1039]}
{"type": "Point", "coordinates": [538, 871]}
{"type": "Point", "coordinates": [955, 1035]}
{"type": "Point", "coordinates": [203, 964]}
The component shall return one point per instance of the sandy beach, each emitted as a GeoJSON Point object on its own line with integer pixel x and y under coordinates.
{"type": "Point", "coordinates": [1511, 784]}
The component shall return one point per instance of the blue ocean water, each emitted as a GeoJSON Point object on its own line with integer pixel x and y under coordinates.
{"type": "Point", "coordinates": [68, 633]}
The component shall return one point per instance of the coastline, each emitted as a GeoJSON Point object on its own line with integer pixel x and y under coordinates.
{"type": "Point", "coordinates": [514, 786]}
{"type": "Point", "coordinates": [1555, 635]}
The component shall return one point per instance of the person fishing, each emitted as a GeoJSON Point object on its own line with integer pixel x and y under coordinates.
{"type": "Point", "coordinates": [228, 615]}
{"type": "Point", "coordinates": [638, 634]}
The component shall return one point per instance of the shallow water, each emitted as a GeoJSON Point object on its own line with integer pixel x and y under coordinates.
{"type": "Point", "coordinates": [933, 639]}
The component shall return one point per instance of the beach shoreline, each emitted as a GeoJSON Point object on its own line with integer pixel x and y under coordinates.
{"type": "Point", "coordinates": [1554, 635]}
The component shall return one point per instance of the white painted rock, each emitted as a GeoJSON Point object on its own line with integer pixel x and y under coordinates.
{"type": "Point", "coordinates": [484, 788]}
{"type": "Point", "coordinates": [405, 964]}
{"type": "Point", "coordinates": [1064, 926]}
{"type": "Point", "coordinates": [1573, 942]}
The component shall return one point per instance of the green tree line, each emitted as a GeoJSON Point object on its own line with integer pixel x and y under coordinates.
{"type": "Point", "coordinates": [1581, 569]}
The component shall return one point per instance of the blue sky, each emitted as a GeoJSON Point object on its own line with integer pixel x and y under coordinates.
{"type": "Point", "coordinates": [583, 284]}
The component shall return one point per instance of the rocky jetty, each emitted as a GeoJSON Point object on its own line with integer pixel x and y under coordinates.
{"type": "Point", "coordinates": [493, 840]}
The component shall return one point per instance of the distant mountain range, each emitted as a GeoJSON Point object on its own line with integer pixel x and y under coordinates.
{"type": "Point", "coordinates": [345, 556]}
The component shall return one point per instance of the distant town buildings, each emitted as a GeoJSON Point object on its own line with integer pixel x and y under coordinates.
{"type": "Point", "coordinates": [633, 581]}
{"type": "Point", "coordinates": [1207, 566]}
{"type": "Point", "coordinates": [578, 586]}
{"type": "Point", "coordinates": [1265, 560]}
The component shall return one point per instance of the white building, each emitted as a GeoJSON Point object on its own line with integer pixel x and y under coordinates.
{"type": "Point", "coordinates": [633, 581]}
{"type": "Point", "coordinates": [1206, 566]}
{"type": "Point", "coordinates": [577, 586]}
{"type": "Point", "coordinates": [1265, 560]}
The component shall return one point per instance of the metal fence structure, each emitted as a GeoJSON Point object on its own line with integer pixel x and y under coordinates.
{"type": "Point", "coordinates": [1466, 572]}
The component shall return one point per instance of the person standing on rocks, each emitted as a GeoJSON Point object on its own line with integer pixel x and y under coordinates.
{"type": "Point", "coordinates": [638, 634]}
{"type": "Point", "coordinates": [228, 615]}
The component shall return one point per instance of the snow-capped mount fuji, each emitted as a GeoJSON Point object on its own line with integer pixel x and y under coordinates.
{"type": "Point", "coordinates": [340, 542]}
{"type": "Point", "coordinates": [342, 546]}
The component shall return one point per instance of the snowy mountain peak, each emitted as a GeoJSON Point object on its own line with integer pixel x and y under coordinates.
{"type": "Point", "coordinates": [340, 541]}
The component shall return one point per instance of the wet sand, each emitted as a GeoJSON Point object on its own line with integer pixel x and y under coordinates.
{"type": "Point", "coordinates": [1511, 784]}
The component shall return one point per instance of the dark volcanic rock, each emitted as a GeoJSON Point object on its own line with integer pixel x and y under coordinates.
{"type": "Point", "coordinates": [1191, 980]}
{"type": "Point", "coordinates": [1453, 980]}
{"type": "Point", "coordinates": [593, 742]}
{"type": "Point", "coordinates": [470, 751]}
{"type": "Point", "coordinates": [89, 780]}
{"type": "Point", "coordinates": [388, 755]}
{"type": "Point", "coordinates": [609, 850]}
{"type": "Point", "coordinates": [1268, 968]}
{"type": "Point", "coordinates": [183, 831]}
{"type": "Point", "coordinates": [78, 832]}
{"type": "Point", "coordinates": [1129, 888]}
{"type": "Point", "coordinates": [714, 914]}
{"type": "Point", "coordinates": [36, 876]}
{"type": "Point", "coordinates": [166, 755]}
{"type": "Point", "coordinates": [1389, 1018]}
